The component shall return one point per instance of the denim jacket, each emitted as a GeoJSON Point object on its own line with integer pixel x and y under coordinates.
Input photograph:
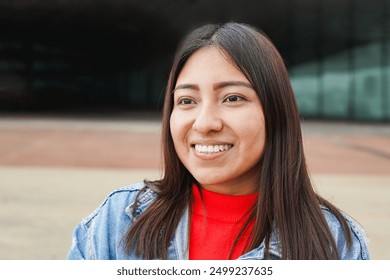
{"type": "Point", "coordinates": [100, 235]}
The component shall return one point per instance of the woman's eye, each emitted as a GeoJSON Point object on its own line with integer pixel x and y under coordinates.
{"type": "Point", "coordinates": [185, 101]}
{"type": "Point", "coordinates": [233, 98]}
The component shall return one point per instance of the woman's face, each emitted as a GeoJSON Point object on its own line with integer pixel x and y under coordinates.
{"type": "Point", "coordinates": [217, 124]}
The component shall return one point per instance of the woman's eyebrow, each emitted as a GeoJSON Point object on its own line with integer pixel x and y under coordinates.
{"type": "Point", "coordinates": [232, 84]}
{"type": "Point", "coordinates": [186, 86]}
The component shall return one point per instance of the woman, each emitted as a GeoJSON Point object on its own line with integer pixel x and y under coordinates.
{"type": "Point", "coordinates": [235, 182]}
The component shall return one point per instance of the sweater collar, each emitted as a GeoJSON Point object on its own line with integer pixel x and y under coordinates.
{"type": "Point", "coordinates": [222, 207]}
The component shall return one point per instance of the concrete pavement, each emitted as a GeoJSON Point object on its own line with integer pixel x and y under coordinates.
{"type": "Point", "coordinates": [55, 171]}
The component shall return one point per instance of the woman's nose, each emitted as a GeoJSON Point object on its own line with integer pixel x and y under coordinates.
{"type": "Point", "coordinates": [208, 120]}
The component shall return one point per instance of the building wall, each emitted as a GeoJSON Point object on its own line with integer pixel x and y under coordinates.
{"type": "Point", "coordinates": [347, 78]}
{"type": "Point", "coordinates": [361, 93]}
{"type": "Point", "coordinates": [337, 52]}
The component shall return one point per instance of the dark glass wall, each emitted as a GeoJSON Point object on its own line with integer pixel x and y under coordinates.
{"type": "Point", "coordinates": [87, 55]}
{"type": "Point", "coordinates": [347, 74]}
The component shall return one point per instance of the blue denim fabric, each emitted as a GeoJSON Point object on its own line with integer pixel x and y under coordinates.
{"type": "Point", "coordinates": [100, 235]}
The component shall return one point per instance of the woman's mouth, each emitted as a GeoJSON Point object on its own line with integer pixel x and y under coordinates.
{"type": "Point", "coordinates": [211, 149]}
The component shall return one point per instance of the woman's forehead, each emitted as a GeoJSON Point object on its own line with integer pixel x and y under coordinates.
{"type": "Point", "coordinates": [209, 64]}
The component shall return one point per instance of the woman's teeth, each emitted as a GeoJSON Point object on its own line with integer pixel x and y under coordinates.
{"type": "Point", "coordinates": [212, 148]}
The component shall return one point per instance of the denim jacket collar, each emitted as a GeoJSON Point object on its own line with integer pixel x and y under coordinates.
{"type": "Point", "coordinates": [145, 198]}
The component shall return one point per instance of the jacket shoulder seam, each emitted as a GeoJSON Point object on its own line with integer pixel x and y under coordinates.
{"type": "Point", "coordinates": [125, 189]}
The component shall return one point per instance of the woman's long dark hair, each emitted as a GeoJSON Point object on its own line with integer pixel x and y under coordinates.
{"type": "Point", "coordinates": [287, 201]}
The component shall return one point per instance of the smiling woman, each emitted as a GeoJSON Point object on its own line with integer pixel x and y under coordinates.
{"type": "Point", "coordinates": [235, 182]}
{"type": "Point", "coordinates": [217, 124]}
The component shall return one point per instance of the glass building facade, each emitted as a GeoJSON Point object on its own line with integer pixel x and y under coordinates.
{"type": "Point", "coordinates": [348, 73]}
{"type": "Point", "coordinates": [95, 54]}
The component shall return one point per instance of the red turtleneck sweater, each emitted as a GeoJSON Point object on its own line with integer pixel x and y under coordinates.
{"type": "Point", "coordinates": [216, 220]}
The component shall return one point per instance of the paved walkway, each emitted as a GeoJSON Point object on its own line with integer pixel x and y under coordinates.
{"type": "Point", "coordinates": [55, 171]}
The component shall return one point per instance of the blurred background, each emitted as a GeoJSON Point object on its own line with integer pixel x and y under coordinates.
{"type": "Point", "coordinates": [82, 55]}
{"type": "Point", "coordinates": [81, 87]}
